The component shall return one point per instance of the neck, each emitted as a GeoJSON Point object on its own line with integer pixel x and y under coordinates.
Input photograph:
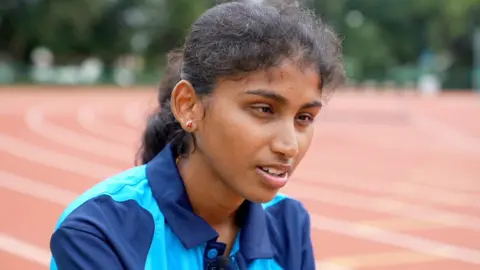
{"type": "Point", "coordinates": [210, 197]}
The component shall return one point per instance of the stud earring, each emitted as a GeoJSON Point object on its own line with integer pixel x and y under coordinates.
{"type": "Point", "coordinates": [189, 124]}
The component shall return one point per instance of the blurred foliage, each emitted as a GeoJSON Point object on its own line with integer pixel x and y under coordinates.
{"type": "Point", "coordinates": [383, 39]}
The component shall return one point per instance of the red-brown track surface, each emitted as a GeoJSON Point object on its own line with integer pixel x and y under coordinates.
{"type": "Point", "coordinates": [392, 181]}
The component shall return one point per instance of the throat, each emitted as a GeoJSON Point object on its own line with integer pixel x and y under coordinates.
{"type": "Point", "coordinates": [209, 196]}
{"type": "Point", "coordinates": [227, 235]}
{"type": "Point", "coordinates": [212, 199]}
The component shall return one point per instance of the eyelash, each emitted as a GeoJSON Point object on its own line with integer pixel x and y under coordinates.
{"type": "Point", "coordinates": [265, 109]}
{"type": "Point", "coordinates": [310, 118]}
{"type": "Point", "coordinates": [260, 109]}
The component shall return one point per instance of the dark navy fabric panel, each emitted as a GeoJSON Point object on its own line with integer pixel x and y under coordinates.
{"type": "Point", "coordinates": [68, 246]}
{"type": "Point", "coordinates": [172, 199]}
{"type": "Point", "coordinates": [104, 232]}
{"type": "Point", "coordinates": [308, 256]}
{"type": "Point", "coordinates": [117, 214]}
{"type": "Point", "coordinates": [288, 224]}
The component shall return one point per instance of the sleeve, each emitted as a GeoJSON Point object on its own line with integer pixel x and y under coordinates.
{"type": "Point", "coordinates": [308, 256]}
{"type": "Point", "coordinates": [76, 249]}
{"type": "Point", "coordinates": [103, 233]}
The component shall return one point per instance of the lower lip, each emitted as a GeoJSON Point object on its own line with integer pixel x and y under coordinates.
{"type": "Point", "coordinates": [273, 181]}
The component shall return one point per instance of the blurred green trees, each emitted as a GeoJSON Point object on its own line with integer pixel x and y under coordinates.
{"type": "Point", "coordinates": [383, 39]}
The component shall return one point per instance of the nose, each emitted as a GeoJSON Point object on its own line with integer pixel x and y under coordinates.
{"type": "Point", "coordinates": [285, 142]}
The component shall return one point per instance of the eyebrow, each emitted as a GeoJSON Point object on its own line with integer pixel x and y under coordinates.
{"type": "Point", "coordinates": [281, 99]}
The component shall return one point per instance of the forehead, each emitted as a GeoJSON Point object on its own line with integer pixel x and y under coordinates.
{"type": "Point", "coordinates": [286, 79]}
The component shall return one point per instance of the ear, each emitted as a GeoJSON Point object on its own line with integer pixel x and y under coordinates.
{"type": "Point", "coordinates": [186, 105]}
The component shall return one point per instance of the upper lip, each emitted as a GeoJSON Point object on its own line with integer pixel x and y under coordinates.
{"type": "Point", "coordinates": [279, 166]}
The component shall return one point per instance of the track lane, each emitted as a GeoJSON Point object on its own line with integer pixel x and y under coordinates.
{"type": "Point", "coordinates": [341, 142]}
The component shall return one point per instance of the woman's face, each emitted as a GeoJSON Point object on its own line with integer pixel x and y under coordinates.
{"type": "Point", "coordinates": [256, 130]}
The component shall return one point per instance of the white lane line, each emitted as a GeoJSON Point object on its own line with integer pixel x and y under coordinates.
{"type": "Point", "coordinates": [96, 171]}
{"type": "Point", "coordinates": [87, 117]}
{"type": "Point", "coordinates": [396, 239]}
{"type": "Point", "coordinates": [24, 250]}
{"type": "Point", "coordinates": [73, 164]}
{"type": "Point", "coordinates": [357, 201]}
{"type": "Point", "coordinates": [50, 158]}
{"type": "Point", "coordinates": [435, 195]}
{"type": "Point", "coordinates": [35, 121]}
{"type": "Point", "coordinates": [448, 134]}
{"type": "Point", "coordinates": [402, 240]}
{"type": "Point", "coordinates": [36, 189]}
{"type": "Point", "coordinates": [403, 188]}
{"type": "Point", "coordinates": [382, 205]}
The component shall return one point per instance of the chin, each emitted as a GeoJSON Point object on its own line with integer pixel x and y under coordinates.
{"type": "Point", "coordinates": [262, 196]}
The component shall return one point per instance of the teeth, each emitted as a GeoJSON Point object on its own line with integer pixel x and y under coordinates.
{"type": "Point", "coordinates": [273, 171]}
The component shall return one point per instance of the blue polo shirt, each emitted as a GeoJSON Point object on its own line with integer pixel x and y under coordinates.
{"type": "Point", "coordinates": [142, 219]}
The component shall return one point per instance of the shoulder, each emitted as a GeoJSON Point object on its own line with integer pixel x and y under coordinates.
{"type": "Point", "coordinates": [127, 191]}
{"type": "Point", "coordinates": [288, 225]}
{"type": "Point", "coordinates": [286, 218]}
{"type": "Point", "coordinates": [120, 211]}
{"type": "Point", "coordinates": [286, 211]}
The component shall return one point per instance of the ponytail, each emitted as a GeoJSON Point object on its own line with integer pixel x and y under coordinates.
{"type": "Point", "coordinates": [162, 128]}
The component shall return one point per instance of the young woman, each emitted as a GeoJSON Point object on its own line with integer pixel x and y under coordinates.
{"type": "Point", "coordinates": [235, 119]}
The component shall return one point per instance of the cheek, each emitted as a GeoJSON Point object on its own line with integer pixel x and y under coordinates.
{"type": "Point", "coordinates": [232, 131]}
{"type": "Point", "coordinates": [304, 142]}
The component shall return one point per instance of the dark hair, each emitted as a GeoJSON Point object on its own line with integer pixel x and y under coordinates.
{"type": "Point", "coordinates": [234, 39]}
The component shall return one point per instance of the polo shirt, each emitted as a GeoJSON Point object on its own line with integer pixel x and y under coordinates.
{"type": "Point", "coordinates": [141, 218]}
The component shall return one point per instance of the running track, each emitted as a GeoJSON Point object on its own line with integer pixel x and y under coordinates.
{"type": "Point", "coordinates": [392, 181]}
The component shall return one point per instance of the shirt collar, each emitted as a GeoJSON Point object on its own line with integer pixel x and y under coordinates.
{"type": "Point", "coordinates": [169, 192]}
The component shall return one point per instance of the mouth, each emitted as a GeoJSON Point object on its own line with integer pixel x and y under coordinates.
{"type": "Point", "coordinates": [274, 172]}
{"type": "Point", "coordinates": [274, 176]}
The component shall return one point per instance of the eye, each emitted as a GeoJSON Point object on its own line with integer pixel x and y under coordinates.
{"type": "Point", "coordinates": [262, 109]}
{"type": "Point", "coordinates": [305, 118]}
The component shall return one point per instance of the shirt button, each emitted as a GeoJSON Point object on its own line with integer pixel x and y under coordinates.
{"type": "Point", "coordinates": [212, 253]}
